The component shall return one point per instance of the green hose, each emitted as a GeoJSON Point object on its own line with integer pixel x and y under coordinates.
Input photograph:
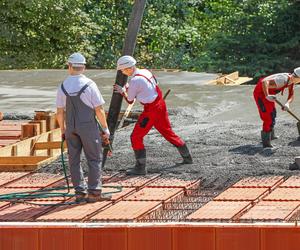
{"type": "Point", "coordinates": [25, 197]}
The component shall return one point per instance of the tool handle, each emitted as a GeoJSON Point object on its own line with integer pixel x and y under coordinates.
{"type": "Point", "coordinates": [290, 112]}
{"type": "Point", "coordinates": [167, 93]}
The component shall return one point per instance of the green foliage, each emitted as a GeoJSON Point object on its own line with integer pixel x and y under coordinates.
{"type": "Point", "coordinates": [258, 37]}
{"type": "Point", "coordinates": [41, 33]}
{"type": "Point", "coordinates": [255, 37]}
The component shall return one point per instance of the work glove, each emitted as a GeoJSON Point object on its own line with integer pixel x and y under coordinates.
{"type": "Point", "coordinates": [119, 89]}
{"type": "Point", "coordinates": [106, 143]}
{"type": "Point", "coordinates": [271, 98]}
{"type": "Point", "coordinates": [286, 107]}
{"type": "Point", "coordinates": [106, 132]}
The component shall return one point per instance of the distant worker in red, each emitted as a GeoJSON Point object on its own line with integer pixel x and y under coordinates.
{"type": "Point", "coordinates": [143, 86]}
{"type": "Point", "coordinates": [264, 95]}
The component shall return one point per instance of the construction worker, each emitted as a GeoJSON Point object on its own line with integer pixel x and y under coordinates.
{"type": "Point", "coordinates": [79, 98]}
{"type": "Point", "coordinates": [264, 95]}
{"type": "Point", "coordinates": [144, 87]}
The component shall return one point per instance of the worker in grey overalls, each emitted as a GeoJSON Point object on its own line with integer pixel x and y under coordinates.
{"type": "Point", "coordinates": [79, 102]}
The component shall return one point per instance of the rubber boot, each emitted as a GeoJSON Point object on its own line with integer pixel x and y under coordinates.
{"type": "Point", "coordinates": [185, 154]}
{"type": "Point", "coordinates": [273, 136]}
{"type": "Point", "coordinates": [298, 127]}
{"type": "Point", "coordinates": [140, 165]}
{"type": "Point", "coordinates": [266, 139]}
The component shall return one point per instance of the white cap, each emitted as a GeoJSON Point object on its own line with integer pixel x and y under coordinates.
{"type": "Point", "coordinates": [125, 62]}
{"type": "Point", "coordinates": [77, 60]}
{"type": "Point", "coordinates": [297, 72]}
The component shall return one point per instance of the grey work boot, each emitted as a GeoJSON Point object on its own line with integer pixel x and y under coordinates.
{"type": "Point", "coordinates": [185, 154]}
{"type": "Point", "coordinates": [273, 136]}
{"type": "Point", "coordinates": [266, 139]}
{"type": "Point", "coordinates": [80, 197]}
{"type": "Point", "coordinates": [98, 197]}
{"type": "Point", "coordinates": [140, 165]}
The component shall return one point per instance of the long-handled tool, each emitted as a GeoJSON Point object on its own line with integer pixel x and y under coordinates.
{"type": "Point", "coordinates": [106, 150]}
{"type": "Point", "coordinates": [292, 114]}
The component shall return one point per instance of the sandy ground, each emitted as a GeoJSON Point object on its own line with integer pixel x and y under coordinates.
{"type": "Point", "coordinates": [220, 125]}
{"type": "Point", "coordinates": [223, 152]}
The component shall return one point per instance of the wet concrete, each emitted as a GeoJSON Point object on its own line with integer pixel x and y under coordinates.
{"type": "Point", "coordinates": [220, 124]}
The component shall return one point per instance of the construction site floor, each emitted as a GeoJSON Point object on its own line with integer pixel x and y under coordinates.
{"type": "Point", "coordinates": [155, 198]}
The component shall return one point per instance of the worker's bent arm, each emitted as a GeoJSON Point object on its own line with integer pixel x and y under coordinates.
{"type": "Point", "coordinates": [126, 98]}
{"type": "Point", "coordinates": [60, 116]}
{"type": "Point", "coordinates": [100, 114]}
{"type": "Point", "coordinates": [265, 86]}
{"type": "Point", "coordinates": [291, 94]}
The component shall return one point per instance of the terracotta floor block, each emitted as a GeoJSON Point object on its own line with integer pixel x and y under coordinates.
{"type": "Point", "coordinates": [174, 183]}
{"type": "Point", "coordinates": [126, 211]}
{"type": "Point", "coordinates": [131, 181]}
{"type": "Point", "coordinates": [38, 180]}
{"type": "Point", "coordinates": [76, 212]}
{"type": "Point", "coordinates": [271, 210]}
{"type": "Point", "coordinates": [118, 195]}
{"type": "Point", "coordinates": [284, 194]}
{"type": "Point", "coordinates": [291, 182]}
{"type": "Point", "coordinates": [259, 182]}
{"type": "Point", "coordinates": [6, 177]}
{"type": "Point", "coordinates": [155, 194]}
{"type": "Point", "coordinates": [241, 194]}
{"type": "Point", "coordinates": [21, 212]}
{"type": "Point", "coordinates": [3, 204]}
{"type": "Point", "coordinates": [4, 191]}
{"type": "Point", "coordinates": [219, 210]}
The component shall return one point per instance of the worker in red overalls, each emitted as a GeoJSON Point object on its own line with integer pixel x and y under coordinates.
{"type": "Point", "coordinates": [264, 95]}
{"type": "Point", "coordinates": [144, 87]}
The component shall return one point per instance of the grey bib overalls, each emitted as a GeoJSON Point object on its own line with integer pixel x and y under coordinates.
{"type": "Point", "coordinates": [82, 131]}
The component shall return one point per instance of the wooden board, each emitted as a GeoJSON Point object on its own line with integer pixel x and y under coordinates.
{"type": "Point", "coordinates": [21, 159]}
{"type": "Point", "coordinates": [230, 79]}
{"type": "Point", "coordinates": [17, 167]}
{"type": "Point", "coordinates": [48, 145]}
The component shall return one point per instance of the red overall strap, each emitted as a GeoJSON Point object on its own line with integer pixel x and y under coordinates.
{"type": "Point", "coordinates": [286, 85]}
{"type": "Point", "coordinates": [147, 78]}
{"type": "Point", "coordinates": [156, 86]}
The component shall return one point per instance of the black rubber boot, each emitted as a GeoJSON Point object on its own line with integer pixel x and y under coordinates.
{"type": "Point", "coordinates": [266, 139]}
{"type": "Point", "coordinates": [298, 127]}
{"type": "Point", "coordinates": [273, 136]}
{"type": "Point", "coordinates": [140, 165]}
{"type": "Point", "coordinates": [185, 154]}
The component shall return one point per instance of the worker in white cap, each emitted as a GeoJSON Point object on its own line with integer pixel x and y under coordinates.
{"type": "Point", "coordinates": [264, 95]}
{"type": "Point", "coordinates": [144, 87]}
{"type": "Point", "coordinates": [79, 98]}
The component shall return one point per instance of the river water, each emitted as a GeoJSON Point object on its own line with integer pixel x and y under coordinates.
{"type": "Point", "coordinates": [24, 92]}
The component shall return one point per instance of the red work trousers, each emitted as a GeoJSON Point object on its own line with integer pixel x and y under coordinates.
{"type": "Point", "coordinates": [267, 110]}
{"type": "Point", "coordinates": [154, 115]}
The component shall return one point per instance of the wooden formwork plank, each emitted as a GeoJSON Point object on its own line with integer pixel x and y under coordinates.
{"type": "Point", "coordinates": [8, 134]}
{"type": "Point", "coordinates": [48, 145]}
{"type": "Point", "coordinates": [8, 142]}
{"type": "Point", "coordinates": [18, 167]}
{"type": "Point", "coordinates": [10, 127]}
{"type": "Point", "coordinates": [21, 159]}
{"type": "Point", "coordinates": [24, 148]}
